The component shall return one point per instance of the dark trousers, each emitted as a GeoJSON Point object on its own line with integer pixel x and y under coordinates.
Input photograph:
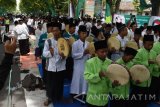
{"type": "Point", "coordinates": [0, 39]}
{"type": "Point", "coordinates": [55, 82]}
{"type": "Point", "coordinates": [119, 103]}
{"type": "Point", "coordinates": [24, 46]}
{"type": "Point", "coordinates": [44, 71]}
{"type": "Point", "coordinates": [89, 105]}
{"type": "Point", "coordinates": [155, 88]}
{"type": "Point", "coordinates": [7, 28]}
{"type": "Point", "coordinates": [139, 96]}
{"type": "Point", "coordinates": [69, 68]}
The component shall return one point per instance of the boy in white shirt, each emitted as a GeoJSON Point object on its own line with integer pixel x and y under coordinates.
{"type": "Point", "coordinates": [55, 67]}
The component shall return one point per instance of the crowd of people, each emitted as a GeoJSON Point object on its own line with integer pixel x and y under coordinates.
{"type": "Point", "coordinates": [87, 71]}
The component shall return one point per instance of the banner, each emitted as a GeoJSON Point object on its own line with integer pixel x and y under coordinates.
{"type": "Point", "coordinates": [98, 8]}
{"type": "Point", "coordinates": [80, 7]}
{"type": "Point", "coordinates": [108, 13]}
{"type": "Point", "coordinates": [89, 7]}
{"type": "Point", "coordinates": [71, 9]}
{"type": "Point", "coordinates": [154, 20]}
{"type": "Point", "coordinates": [140, 19]}
{"type": "Point", "coordinates": [119, 18]}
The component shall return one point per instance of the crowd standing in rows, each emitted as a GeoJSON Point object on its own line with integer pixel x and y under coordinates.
{"type": "Point", "coordinates": [87, 70]}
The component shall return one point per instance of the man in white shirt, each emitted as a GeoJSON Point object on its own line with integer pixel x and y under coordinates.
{"type": "Point", "coordinates": [156, 33]}
{"type": "Point", "coordinates": [24, 26]}
{"type": "Point", "coordinates": [81, 22]}
{"type": "Point", "coordinates": [44, 26]}
{"type": "Point", "coordinates": [38, 33]}
{"type": "Point", "coordinates": [116, 54]}
{"type": "Point", "coordinates": [148, 31]}
{"type": "Point", "coordinates": [55, 66]}
{"type": "Point", "coordinates": [30, 22]}
{"type": "Point", "coordinates": [144, 29]}
{"type": "Point", "coordinates": [89, 26]}
{"type": "Point", "coordinates": [131, 30]}
{"type": "Point", "coordinates": [63, 26]}
{"type": "Point", "coordinates": [114, 29]}
{"type": "Point", "coordinates": [23, 38]}
{"type": "Point", "coordinates": [137, 36]}
{"type": "Point", "coordinates": [98, 24]}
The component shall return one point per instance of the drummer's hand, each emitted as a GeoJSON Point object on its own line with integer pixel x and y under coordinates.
{"type": "Point", "coordinates": [138, 82]}
{"type": "Point", "coordinates": [125, 67]}
{"type": "Point", "coordinates": [10, 46]}
{"type": "Point", "coordinates": [102, 74]}
{"type": "Point", "coordinates": [86, 51]}
{"type": "Point", "coordinates": [51, 51]}
{"type": "Point", "coordinates": [113, 62]}
{"type": "Point", "coordinates": [122, 49]}
{"type": "Point", "coordinates": [151, 62]}
{"type": "Point", "coordinates": [115, 83]}
{"type": "Point", "coordinates": [93, 55]}
{"type": "Point", "coordinates": [28, 36]}
{"type": "Point", "coordinates": [113, 49]}
{"type": "Point", "coordinates": [62, 55]}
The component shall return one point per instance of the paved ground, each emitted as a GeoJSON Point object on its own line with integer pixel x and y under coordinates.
{"type": "Point", "coordinates": [21, 97]}
{"type": "Point", "coordinates": [37, 97]}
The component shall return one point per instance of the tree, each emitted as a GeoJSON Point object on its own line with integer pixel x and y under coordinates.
{"type": "Point", "coordinates": [43, 6]}
{"type": "Point", "coordinates": [140, 5]}
{"type": "Point", "coordinates": [114, 5]}
{"type": "Point", "coordinates": [7, 6]}
{"type": "Point", "coordinates": [155, 7]}
{"type": "Point", "coordinates": [33, 7]}
{"type": "Point", "coordinates": [117, 5]}
{"type": "Point", "coordinates": [136, 4]}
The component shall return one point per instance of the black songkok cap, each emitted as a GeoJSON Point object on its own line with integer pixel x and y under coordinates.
{"type": "Point", "coordinates": [149, 28]}
{"type": "Point", "coordinates": [138, 31]}
{"type": "Point", "coordinates": [148, 38]}
{"type": "Point", "coordinates": [100, 45]}
{"type": "Point", "coordinates": [49, 24]}
{"type": "Point", "coordinates": [72, 25]}
{"type": "Point", "coordinates": [120, 26]}
{"type": "Point", "coordinates": [130, 51]}
{"type": "Point", "coordinates": [82, 28]}
{"type": "Point", "coordinates": [56, 24]}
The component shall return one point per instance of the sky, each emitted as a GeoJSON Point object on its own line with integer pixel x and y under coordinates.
{"type": "Point", "coordinates": [127, 0]}
{"type": "Point", "coordinates": [17, 8]}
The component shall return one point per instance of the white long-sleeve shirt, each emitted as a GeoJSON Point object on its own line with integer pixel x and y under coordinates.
{"type": "Point", "coordinates": [55, 62]}
{"type": "Point", "coordinates": [25, 26]}
{"type": "Point", "coordinates": [21, 32]}
{"type": "Point", "coordinates": [78, 84]}
{"type": "Point", "coordinates": [38, 33]}
{"type": "Point", "coordinates": [122, 41]}
{"type": "Point", "coordinates": [156, 38]}
{"type": "Point", "coordinates": [44, 27]}
{"type": "Point", "coordinates": [78, 49]}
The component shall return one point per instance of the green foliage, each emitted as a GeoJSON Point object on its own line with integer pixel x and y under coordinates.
{"type": "Point", "coordinates": [7, 6]}
{"type": "Point", "coordinates": [114, 5]}
{"type": "Point", "coordinates": [33, 7]}
{"type": "Point", "coordinates": [136, 4]}
{"type": "Point", "coordinates": [141, 5]}
{"type": "Point", "coordinates": [44, 6]}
